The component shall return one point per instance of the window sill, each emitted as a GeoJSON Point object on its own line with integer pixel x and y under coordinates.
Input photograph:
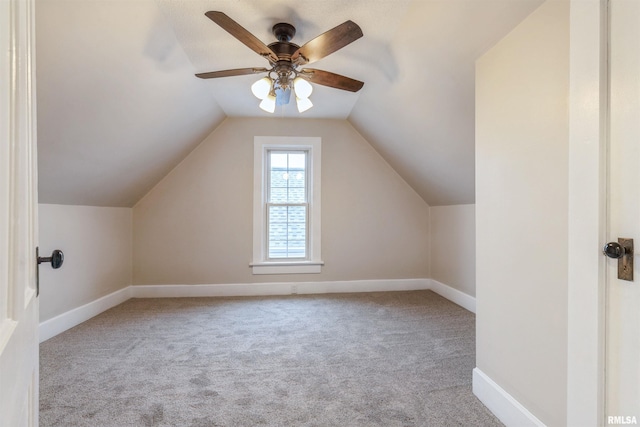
{"type": "Point", "coordinates": [278, 267]}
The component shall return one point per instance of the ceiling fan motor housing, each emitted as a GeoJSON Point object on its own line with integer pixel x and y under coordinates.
{"type": "Point", "coordinates": [284, 50]}
{"type": "Point", "coordinates": [284, 68]}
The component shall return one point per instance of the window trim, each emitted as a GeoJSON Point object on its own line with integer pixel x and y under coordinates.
{"type": "Point", "coordinates": [261, 264]}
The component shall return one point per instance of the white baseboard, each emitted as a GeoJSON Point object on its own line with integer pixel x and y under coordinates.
{"type": "Point", "coordinates": [363, 286]}
{"type": "Point", "coordinates": [68, 320]}
{"type": "Point", "coordinates": [454, 295]}
{"type": "Point", "coordinates": [279, 288]}
{"type": "Point", "coordinates": [222, 290]}
{"type": "Point", "coordinates": [56, 325]}
{"type": "Point", "coordinates": [502, 404]}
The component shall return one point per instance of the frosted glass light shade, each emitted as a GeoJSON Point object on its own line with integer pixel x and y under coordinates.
{"type": "Point", "coordinates": [261, 88]}
{"type": "Point", "coordinates": [302, 87]}
{"type": "Point", "coordinates": [303, 104]}
{"type": "Point", "coordinates": [268, 104]}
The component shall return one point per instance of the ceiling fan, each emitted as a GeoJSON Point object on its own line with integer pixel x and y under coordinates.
{"type": "Point", "coordinates": [286, 59]}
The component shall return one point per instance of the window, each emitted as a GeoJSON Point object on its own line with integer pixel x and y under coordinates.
{"type": "Point", "coordinates": [286, 221]}
{"type": "Point", "coordinates": [287, 204]}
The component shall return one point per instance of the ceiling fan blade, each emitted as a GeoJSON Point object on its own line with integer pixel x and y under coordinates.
{"type": "Point", "coordinates": [237, 31]}
{"type": "Point", "coordinates": [327, 43]}
{"type": "Point", "coordinates": [334, 80]}
{"type": "Point", "coordinates": [231, 73]}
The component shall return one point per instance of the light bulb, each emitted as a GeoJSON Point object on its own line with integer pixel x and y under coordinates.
{"type": "Point", "coordinates": [268, 104]}
{"type": "Point", "coordinates": [261, 88]}
{"type": "Point", "coordinates": [302, 87]}
{"type": "Point", "coordinates": [303, 104]}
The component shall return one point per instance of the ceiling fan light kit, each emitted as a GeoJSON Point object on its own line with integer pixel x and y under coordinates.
{"type": "Point", "coordinates": [262, 87]}
{"type": "Point", "coordinates": [286, 60]}
{"type": "Point", "coordinates": [302, 87]}
{"type": "Point", "coordinates": [268, 104]}
{"type": "Point", "coordinates": [303, 104]}
{"type": "Point", "coordinates": [267, 88]}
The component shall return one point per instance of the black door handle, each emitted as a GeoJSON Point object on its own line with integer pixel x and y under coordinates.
{"type": "Point", "coordinates": [56, 259]}
{"type": "Point", "coordinates": [622, 250]}
{"type": "Point", "coordinates": [614, 250]}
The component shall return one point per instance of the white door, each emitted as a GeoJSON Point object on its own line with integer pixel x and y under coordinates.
{"type": "Point", "coordinates": [18, 217]}
{"type": "Point", "coordinates": [623, 297]}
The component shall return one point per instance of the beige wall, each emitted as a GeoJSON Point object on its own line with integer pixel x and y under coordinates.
{"type": "Point", "coordinates": [195, 226]}
{"type": "Point", "coordinates": [522, 88]}
{"type": "Point", "coordinates": [453, 246]}
{"type": "Point", "coordinates": [96, 242]}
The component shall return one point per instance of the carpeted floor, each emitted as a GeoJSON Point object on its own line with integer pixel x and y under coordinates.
{"type": "Point", "coordinates": [376, 359]}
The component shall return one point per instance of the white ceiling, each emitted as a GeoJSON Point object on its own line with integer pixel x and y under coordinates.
{"type": "Point", "coordinates": [118, 105]}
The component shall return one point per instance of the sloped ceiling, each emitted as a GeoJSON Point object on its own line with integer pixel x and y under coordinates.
{"type": "Point", "coordinates": [118, 105]}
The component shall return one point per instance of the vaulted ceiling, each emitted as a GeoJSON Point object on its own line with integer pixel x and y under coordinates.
{"type": "Point", "coordinates": [119, 106]}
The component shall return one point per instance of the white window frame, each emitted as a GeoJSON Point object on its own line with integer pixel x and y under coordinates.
{"type": "Point", "coordinates": [313, 263]}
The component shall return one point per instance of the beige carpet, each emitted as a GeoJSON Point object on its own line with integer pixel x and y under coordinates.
{"type": "Point", "coordinates": [376, 359]}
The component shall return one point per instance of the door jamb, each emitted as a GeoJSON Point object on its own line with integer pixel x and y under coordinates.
{"type": "Point", "coordinates": [588, 144]}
